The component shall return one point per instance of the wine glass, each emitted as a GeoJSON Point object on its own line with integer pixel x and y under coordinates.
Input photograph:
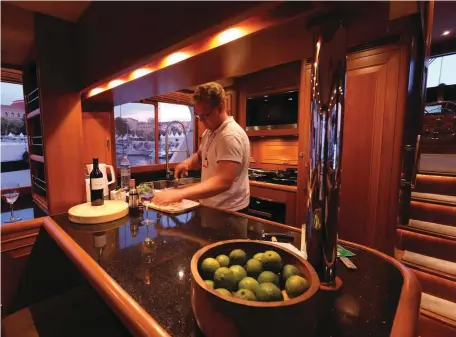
{"type": "Point", "coordinates": [11, 193]}
{"type": "Point", "coordinates": [146, 194]}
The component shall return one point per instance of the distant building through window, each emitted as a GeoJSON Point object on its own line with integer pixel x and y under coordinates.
{"type": "Point", "coordinates": [14, 149]}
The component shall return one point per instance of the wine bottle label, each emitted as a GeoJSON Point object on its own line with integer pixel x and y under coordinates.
{"type": "Point", "coordinates": [97, 184]}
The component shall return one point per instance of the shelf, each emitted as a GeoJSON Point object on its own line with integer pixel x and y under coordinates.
{"type": "Point", "coordinates": [273, 132]}
{"type": "Point", "coordinates": [41, 201]}
{"type": "Point", "coordinates": [34, 113]}
{"type": "Point", "coordinates": [37, 158]}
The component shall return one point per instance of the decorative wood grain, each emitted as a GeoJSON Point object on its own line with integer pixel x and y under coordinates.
{"type": "Point", "coordinates": [375, 109]}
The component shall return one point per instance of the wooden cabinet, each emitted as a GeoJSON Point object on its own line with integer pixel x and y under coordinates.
{"type": "Point", "coordinates": [97, 142]}
{"type": "Point", "coordinates": [278, 193]}
{"type": "Point", "coordinates": [376, 87]}
{"type": "Point", "coordinates": [54, 123]}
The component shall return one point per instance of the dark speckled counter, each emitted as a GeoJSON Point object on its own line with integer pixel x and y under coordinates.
{"type": "Point", "coordinates": [152, 264]}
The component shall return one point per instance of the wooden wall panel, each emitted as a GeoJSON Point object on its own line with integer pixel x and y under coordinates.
{"type": "Point", "coordinates": [97, 142]}
{"type": "Point", "coordinates": [374, 113]}
{"type": "Point", "coordinates": [60, 105]}
{"type": "Point", "coordinates": [281, 152]}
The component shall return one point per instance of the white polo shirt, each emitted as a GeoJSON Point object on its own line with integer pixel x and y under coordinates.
{"type": "Point", "coordinates": [228, 142]}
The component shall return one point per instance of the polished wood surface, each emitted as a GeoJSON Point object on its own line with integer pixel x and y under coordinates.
{"type": "Point", "coordinates": [60, 106]}
{"type": "Point", "coordinates": [277, 187]}
{"type": "Point", "coordinates": [221, 316]}
{"type": "Point", "coordinates": [374, 103]}
{"type": "Point", "coordinates": [278, 151]}
{"type": "Point", "coordinates": [97, 141]}
{"type": "Point", "coordinates": [129, 311]}
{"type": "Point", "coordinates": [17, 240]}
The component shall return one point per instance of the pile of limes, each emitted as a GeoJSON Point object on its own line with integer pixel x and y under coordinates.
{"type": "Point", "coordinates": [261, 278]}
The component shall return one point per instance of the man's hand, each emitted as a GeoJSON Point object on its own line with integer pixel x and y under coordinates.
{"type": "Point", "coordinates": [167, 197]}
{"type": "Point", "coordinates": [181, 170]}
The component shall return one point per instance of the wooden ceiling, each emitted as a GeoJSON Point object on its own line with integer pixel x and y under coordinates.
{"type": "Point", "coordinates": [444, 20]}
{"type": "Point", "coordinates": [65, 10]}
{"type": "Point", "coordinates": [17, 29]}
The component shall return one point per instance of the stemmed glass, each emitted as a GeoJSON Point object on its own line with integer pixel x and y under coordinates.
{"type": "Point", "coordinates": [11, 193]}
{"type": "Point", "coordinates": [146, 195]}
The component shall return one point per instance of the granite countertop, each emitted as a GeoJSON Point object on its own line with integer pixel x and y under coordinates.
{"type": "Point", "coordinates": [152, 264]}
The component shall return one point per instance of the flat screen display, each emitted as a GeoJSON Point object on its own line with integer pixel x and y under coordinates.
{"type": "Point", "coordinates": [273, 110]}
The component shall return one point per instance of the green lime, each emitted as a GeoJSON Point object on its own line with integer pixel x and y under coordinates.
{"type": "Point", "coordinates": [223, 260]}
{"type": "Point", "coordinates": [238, 256]}
{"type": "Point", "coordinates": [269, 292]}
{"type": "Point", "coordinates": [245, 294]}
{"type": "Point", "coordinates": [272, 261]}
{"type": "Point", "coordinates": [208, 267]}
{"type": "Point", "coordinates": [210, 283]}
{"type": "Point", "coordinates": [258, 256]}
{"type": "Point", "coordinates": [249, 283]}
{"type": "Point", "coordinates": [239, 272]}
{"type": "Point", "coordinates": [289, 270]}
{"type": "Point", "coordinates": [253, 267]}
{"type": "Point", "coordinates": [296, 285]}
{"type": "Point", "coordinates": [224, 292]}
{"type": "Point", "coordinates": [268, 276]}
{"type": "Point", "coordinates": [224, 278]}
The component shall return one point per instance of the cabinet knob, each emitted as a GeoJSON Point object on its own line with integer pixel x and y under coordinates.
{"type": "Point", "coordinates": [301, 154]}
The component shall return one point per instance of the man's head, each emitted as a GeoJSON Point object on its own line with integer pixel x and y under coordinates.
{"type": "Point", "coordinates": [209, 102]}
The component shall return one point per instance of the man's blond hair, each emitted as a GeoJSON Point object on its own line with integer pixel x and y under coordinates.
{"type": "Point", "coordinates": [211, 92]}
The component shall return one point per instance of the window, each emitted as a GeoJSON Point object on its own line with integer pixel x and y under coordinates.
{"type": "Point", "coordinates": [137, 138]}
{"type": "Point", "coordinates": [178, 138]}
{"type": "Point", "coordinates": [442, 70]}
{"type": "Point", "coordinates": [135, 133]}
{"type": "Point", "coordinates": [14, 150]}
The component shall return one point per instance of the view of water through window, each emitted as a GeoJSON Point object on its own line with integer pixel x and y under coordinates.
{"type": "Point", "coordinates": [135, 132]}
{"type": "Point", "coordinates": [14, 151]}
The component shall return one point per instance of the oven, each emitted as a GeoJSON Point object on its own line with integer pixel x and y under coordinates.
{"type": "Point", "coordinates": [267, 209]}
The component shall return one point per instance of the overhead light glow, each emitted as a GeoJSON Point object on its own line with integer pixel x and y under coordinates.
{"type": "Point", "coordinates": [176, 57]}
{"type": "Point", "coordinates": [447, 32]}
{"type": "Point", "coordinates": [96, 91]}
{"type": "Point", "coordinates": [228, 36]}
{"type": "Point", "coordinates": [115, 83]}
{"type": "Point", "coordinates": [140, 73]}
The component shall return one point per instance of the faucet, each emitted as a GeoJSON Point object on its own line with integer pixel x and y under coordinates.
{"type": "Point", "coordinates": [168, 171]}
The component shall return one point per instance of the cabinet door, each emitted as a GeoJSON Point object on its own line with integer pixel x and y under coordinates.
{"type": "Point", "coordinates": [97, 137]}
{"type": "Point", "coordinates": [372, 138]}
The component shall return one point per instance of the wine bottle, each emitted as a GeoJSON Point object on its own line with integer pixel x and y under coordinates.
{"type": "Point", "coordinates": [96, 185]}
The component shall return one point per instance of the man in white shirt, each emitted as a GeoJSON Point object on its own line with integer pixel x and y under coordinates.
{"type": "Point", "coordinates": [223, 157]}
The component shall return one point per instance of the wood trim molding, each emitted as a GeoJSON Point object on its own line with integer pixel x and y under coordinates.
{"type": "Point", "coordinates": [135, 318]}
{"type": "Point", "coordinates": [273, 186]}
{"type": "Point", "coordinates": [408, 309]}
{"type": "Point", "coordinates": [11, 228]}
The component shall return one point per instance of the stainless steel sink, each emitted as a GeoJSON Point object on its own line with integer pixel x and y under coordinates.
{"type": "Point", "coordinates": [162, 184]}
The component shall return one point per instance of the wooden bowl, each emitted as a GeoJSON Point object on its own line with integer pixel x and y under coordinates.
{"type": "Point", "coordinates": [222, 316]}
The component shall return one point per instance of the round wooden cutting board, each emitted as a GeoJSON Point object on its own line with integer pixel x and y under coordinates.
{"type": "Point", "coordinates": [90, 215]}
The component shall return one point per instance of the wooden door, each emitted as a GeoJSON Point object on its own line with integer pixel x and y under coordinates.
{"type": "Point", "coordinates": [96, 127]}
{"type": "Point", "coordinates": [376, 88]}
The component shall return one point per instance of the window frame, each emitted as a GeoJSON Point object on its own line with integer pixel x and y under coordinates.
{"type": "Point", "coordinates": [155, 167]}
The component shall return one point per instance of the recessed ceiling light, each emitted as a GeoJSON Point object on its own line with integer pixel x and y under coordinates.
{"type": "Point", "coordinates": [447, 32]}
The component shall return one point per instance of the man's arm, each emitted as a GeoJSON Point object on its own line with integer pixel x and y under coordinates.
{"type": "Point", "coordinates": [221, 182]}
